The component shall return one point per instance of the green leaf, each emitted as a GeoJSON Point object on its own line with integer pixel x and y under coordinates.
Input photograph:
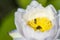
{"type": "Point", "coordinates": [43, 2]}
{"type": "Point", "coordinates": [55, 3]}
{"type": "Point", "coordinates": [7, 26]}
{"type": "Point", "coordinates": [23, 3]}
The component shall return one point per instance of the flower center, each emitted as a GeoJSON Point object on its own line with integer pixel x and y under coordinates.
{"type": "Point", "coordinates": [42, 24]}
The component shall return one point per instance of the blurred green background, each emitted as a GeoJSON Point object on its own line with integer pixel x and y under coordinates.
{"type": "Point", "coordinates": [7, 9]}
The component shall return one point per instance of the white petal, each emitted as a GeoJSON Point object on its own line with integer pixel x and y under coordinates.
{"type": "Point", "coordinates": [51, 8]}
{"type": "Point", "coordinates": [20, 10]}
{"type": "Point", "coordinates": [51, 11]}
{"type": "Point", "coordinates": [15, 34]}
{"type": "Point", "coordinates": [59, 17]}
{"type": "Point", "coordinates": [18, 19]}
{"type": "Point", "coordinates": [34, 4]}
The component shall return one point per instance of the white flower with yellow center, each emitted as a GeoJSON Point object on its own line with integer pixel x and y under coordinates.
{"type": "Point", "coordinates": [37, 22]}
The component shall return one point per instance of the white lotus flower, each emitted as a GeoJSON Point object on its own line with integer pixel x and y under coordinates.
{"type": "Point", "coordinates": [36, 10]}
